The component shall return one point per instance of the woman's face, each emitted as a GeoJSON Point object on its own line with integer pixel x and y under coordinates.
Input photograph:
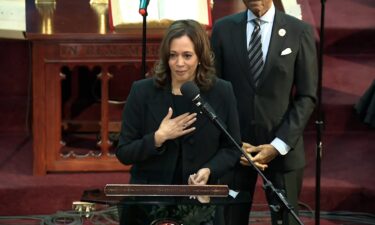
{"type": "Point", "coordinates": [183, 61]}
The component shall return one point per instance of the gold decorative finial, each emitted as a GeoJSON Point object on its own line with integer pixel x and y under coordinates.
{"type": "Point", "coordinates": [46, 8]}
{"type": "Point", "coordinates": [101, 12]}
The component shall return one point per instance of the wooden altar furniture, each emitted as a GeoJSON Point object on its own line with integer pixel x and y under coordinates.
{"type": "Point", "coordinates": [77, 64]}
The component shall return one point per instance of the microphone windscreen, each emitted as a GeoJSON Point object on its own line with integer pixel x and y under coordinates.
{"type": "Point", "coordinates": [190, 90]}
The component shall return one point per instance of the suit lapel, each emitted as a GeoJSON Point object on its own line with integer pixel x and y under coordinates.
{"type": "Point", "coordinates": [275, 47]}
{"type": "Point", "coordinates": [240, 44]}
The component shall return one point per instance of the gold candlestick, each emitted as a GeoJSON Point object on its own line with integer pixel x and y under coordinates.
{"type": "Point", "coordinates": [46, 9]}
{"type": "Point", "coordinates": [100, 7]}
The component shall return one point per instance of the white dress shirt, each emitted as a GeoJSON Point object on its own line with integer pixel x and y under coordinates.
{"type": "Point", "coordinates": [266, 23]}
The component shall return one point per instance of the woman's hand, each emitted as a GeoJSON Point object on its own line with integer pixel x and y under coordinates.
{"type": "Point", "coordinates": [173, 128]}
{"type": "Point", "coordinates": [200, 178]}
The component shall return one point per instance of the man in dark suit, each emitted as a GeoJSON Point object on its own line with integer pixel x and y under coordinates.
{"type": "Point", "coordinates": [275, 105]}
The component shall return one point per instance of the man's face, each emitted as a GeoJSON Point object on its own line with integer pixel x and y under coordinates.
{"type": "Point", "coordinates": [258, 7]}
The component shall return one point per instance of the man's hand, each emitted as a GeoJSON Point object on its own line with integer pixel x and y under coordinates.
{"type": "Point", "coordinates": [263, 155]}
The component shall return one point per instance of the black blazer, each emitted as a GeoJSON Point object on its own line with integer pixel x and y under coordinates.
{"type": "Point", "coordinates": [282, 102]}
{"type": "Point", "coordinates": [145, 108]}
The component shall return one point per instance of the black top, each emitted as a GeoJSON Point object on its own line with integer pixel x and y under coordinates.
{"type": "Point", "coordinates": [181, 105]}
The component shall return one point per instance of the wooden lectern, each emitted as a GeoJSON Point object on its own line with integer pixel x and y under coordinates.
{"type": "Point", "coordinates": [166, 190]}
{"type": "Point", "coordinates": [178, 202]}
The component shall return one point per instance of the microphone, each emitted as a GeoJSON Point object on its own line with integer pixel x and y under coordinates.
{"type": "Point", "coordinates": [143, 7]}
{"type": "Point", "coordinates": [191, 91]}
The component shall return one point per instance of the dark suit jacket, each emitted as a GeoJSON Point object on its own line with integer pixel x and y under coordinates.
{"type": "Point", "coordinates": [281, 104]}
{"type": "Point", "coordinates": [146, 107]}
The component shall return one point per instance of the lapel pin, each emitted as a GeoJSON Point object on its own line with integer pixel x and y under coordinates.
{"type": "Point", "coordinates": [282, 32]}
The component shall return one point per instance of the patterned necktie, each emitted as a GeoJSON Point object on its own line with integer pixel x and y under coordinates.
{"type": "Point", "coordinates": [255, 53]}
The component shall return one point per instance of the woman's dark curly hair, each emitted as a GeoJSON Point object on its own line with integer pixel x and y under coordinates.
{"type": "Point", "coordinates": [205, 71]}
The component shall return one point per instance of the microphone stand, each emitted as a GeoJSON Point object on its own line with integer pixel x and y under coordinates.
{"type": "Point", "coordinates": [267, 185]}
{"type": "Point", "coordinates": [319, 123]}
{"type": "Point", "coordinates": [144, 40]}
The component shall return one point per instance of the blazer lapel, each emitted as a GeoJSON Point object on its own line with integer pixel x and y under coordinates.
{"type": "Point", "coordinates": [275, 47]}
{"type": "Point", "coordinates": [160, 104]}
{"type": "Point", "coordinates": [159, 107]}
